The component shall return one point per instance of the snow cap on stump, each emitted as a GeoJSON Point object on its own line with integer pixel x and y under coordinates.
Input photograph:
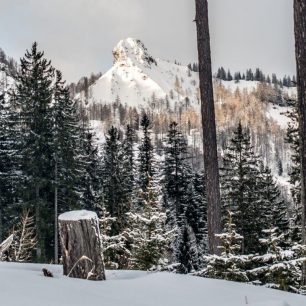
{"type": "Point", "coordinates": [78, 215]}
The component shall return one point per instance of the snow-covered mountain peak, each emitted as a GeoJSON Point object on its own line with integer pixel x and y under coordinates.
{"type": "Point", "coordinates": [137, 78]}
{"type": "Point", "coordinates": [131, 51]}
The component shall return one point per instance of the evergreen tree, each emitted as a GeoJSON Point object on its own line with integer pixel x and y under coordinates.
{"type": "Point", "coordinates": [229, 76]}
{"type": "Point", "coordinates": [129, 163]}
{"type": "Point", "coordinates": [116, 254]}
{"type": "Point", "coordinates": [221, 74]}
{"type": "Point", "coordinates": [33, 97]}
{"type": "Point", "coordinates": [186, 253]}
{"type": "Point", "coordinates": [237, 77]}
{"type": "Point", "coordinates": [67, 153]}
{"type": "Point", "coordinates": [240, 189]}
{"type": "Point", "coordinates": [183, 202]}
{"type": "Point", "coordinates": [114, 191]}
{"type": "Point", "coordinates": [199, 213]}
{"type": "Point", "coordinates": [10, 174]}
{"type": "Point", "coordinates": [274, 79]}
{"type": "Point", "coordinates": [91, 185]}
{"type": "Point", "coordinates": [259, 76]}
{"type": "Point", "coordinates": [145, 159]}
{"type": "Point", "coordinates": [147, 231]}
{"type": "Point", "coordinates": [117, 196]}
{"type": "Point", "coordinates": [249, 75]}
{"type": "Point", "coordinates": [278, 268]}
{"type": "Point", "coordinates": [230, 265]}
{"type": "Point", "coordinates": [275, 208]}
{"type": "Point", "coordinates": [175, 174]}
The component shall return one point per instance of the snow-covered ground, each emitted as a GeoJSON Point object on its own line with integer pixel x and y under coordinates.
{"type": "Point", "coordinates": [278, 114]}
{"type": "Point", "coordinates": [24, 285]}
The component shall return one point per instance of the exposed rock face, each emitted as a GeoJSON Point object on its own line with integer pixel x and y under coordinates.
{"type": "Point", "coordinates": [131, 51]}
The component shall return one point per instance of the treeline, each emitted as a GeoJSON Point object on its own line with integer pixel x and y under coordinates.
{"type": "Point", "coordinates": [249, 75]}
{"type": "Point", "coordinates": [256, 75]}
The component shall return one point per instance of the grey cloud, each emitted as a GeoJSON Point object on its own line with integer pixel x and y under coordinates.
{"type": "Point", "coordinates": [78, 35]}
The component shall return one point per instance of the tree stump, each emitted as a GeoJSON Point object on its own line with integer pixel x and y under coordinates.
{"type": "Point", "coordinates": [81, 245]}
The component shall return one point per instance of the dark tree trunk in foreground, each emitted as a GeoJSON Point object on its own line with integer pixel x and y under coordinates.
{"type": "Point", "coordinates": [209, 127]}
{"type": "Point", "coordinates": [300, 45]}
{"type": "Point", "coordinates": [81, 245]}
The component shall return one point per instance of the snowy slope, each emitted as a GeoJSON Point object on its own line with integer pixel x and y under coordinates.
{"type": "Point", "coordinates": [23, 284]}
{"type": "Point", "coordinates": [278, 114]}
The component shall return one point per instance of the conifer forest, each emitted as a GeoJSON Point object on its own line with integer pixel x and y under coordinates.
{"type": "Point", "coordinates": [164, 174]}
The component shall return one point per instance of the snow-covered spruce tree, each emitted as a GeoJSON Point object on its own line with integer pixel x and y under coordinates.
{"type": "Point", "coordinates": [186, 249]}
{"type": "Point", "coordinates": [183, 207]}
{"type": "Point", "coordinates": [114, 191]}
{"type": "Point", "coordinates": [175, 174]}
{"type": "Point", "coordinates": [274, 206]}
{"type": "Point", "coordinates": [33, 97]}
{"type": "Point", "coordinates": [10, 174]}
{"type": "Point", "coordinates": [197, 214]}
{"type": "Point", "coordinates": [278, 268]}
{"type": "Point", "coordinates": [129, 165]}
{"type": "Point", "coordinates": [115, 248]}
{"type": "Point", "coordinates": [50, 147]}
{"type": "Point", "coordinates": [67, 154]}
{"type": "Point", "coordinates": [24, 243]}
{"type": "Point", "coordinates": [230, 265]}
{"type": "Point", "coordinates": [116, 197]}
{"type": "Point", "coordinates": [90, 184]}
{"type": "Point", "coordinates": [145, 156]}
{"type": "Point", "coordinates": [147, 230]}
{"type": "Point", "coordinates": [240, 177]}
{"type": "Point", "coordinates": [66, 146]}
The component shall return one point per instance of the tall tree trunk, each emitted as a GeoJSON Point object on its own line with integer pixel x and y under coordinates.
{"type": "Point", "coordinates": [55, 214]}
{"type": "Point", "coordinates": [300, 46]}
{"type": "Point", "coordinates": [209, 127]}
{"type": "Point", "coordinates": [1, 225]}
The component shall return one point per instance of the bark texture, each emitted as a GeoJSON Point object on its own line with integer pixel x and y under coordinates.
{"type": "Point", "coordinates": [209, 127]}
{"type": "Point", "coordinates": [82, 248]}
{"type": "Point", "coordinates": [300, 46]}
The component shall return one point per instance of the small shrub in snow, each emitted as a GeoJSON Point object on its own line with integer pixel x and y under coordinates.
{"type": "Point", "coordinates": [115, 250]}
{"type": "Point", "coordinates": [229, 265]}
{"type": "Point", "coordinates": [278, 268]}
{"type": "Point", "coordinates": [147, 231]}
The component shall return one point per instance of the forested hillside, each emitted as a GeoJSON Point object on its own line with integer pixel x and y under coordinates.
{"type": "Point", "coordinates": [127, 145]}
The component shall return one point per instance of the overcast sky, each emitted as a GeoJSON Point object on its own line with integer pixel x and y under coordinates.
{"type": "Point", "coordinates": [78, 35]}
